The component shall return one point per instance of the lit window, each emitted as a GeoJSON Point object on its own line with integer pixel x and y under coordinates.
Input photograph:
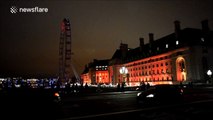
{"type": "Point", "coordinates": [177, 42]}
{"type": "Point", "coordinates": [162, 71]}
{"type": "Point", "coordinates": [167, 45]}
{"type": "Point", "coordinates": [167, 71]}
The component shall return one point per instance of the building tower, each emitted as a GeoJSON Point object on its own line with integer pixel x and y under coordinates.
{"type": "Point", "coordinates": [65, 52]}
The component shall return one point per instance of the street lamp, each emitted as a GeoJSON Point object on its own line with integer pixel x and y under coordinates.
{"type": "Point", "coordinates": [123, 71]}
{"type": "Point", "coordinates": [209, 73]}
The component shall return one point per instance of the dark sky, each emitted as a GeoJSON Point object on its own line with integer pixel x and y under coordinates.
{"type": "Point", "coordinates": [29, 42]}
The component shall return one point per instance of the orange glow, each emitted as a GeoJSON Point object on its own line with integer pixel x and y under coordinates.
{"type": "Point", "coordinates": [86, 78]}
{"type": "Point", "coordinates": [152, 69]}
{"type": "Point", "coordinates": [56, 94]}
{"type": "Point", "coordinates": [102, 77]}
{"type": "Point", "coordinates": [156, 69]}
{"type": "Point", "coordinates": [181, 69]}
{"type": "Point", "coordinates": [160, 69]}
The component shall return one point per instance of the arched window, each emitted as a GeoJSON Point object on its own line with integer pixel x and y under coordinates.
{"type": "Point", "coordinates": [182, 66]}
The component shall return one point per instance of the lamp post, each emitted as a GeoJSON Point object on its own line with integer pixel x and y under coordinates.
{"type": "Point", "coordinates": [123, 71]}
{"type": "Point", "coordinates": [209, 73]}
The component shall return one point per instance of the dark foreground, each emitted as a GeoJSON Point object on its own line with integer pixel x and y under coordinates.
{"type": "Point", "coordinates": [37, 104]}
{"type": "Point", "coordinates": [194, 111]}
{"type": "Point", "coordinates": [29, 104]}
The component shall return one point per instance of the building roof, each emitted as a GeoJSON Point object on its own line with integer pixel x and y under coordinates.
{"type": "Point", "coordinates": [186, 37]}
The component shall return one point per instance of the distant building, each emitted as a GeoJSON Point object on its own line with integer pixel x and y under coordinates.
{"type": "Point", "coordinates": [85, 76]}
{"type": "Point", "coordinates": [183, 56]}
{"type": "Point", "coordinates": [96, 72]}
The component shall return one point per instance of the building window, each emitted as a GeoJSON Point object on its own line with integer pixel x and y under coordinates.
{"type": "Point", "coordinates": [162, 71]}
{"type": "Point", "coordinates": [167, 70]}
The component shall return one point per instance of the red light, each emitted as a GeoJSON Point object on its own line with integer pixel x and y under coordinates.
{"type": "Point", "coordinates": [62, 27]}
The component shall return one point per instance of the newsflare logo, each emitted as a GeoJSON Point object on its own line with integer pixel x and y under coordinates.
{"type": "Point", "coordinates": [15, 9]}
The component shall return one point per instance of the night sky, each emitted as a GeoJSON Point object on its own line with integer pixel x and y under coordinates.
{"type": "Point", "coordinates": [29, 42]}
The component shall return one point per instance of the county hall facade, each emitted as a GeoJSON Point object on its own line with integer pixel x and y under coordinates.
{"type": "Point", "coordinates": [183, 56]}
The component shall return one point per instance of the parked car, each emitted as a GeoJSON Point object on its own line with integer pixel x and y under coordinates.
{"type": "Point", "coordinates": [160, 94]}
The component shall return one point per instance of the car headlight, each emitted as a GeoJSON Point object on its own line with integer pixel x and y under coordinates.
{"type": "Point", "coordinates": [139, 94]}
{"type": "Point", "coordinates": [56, 94]}
{"type": "Point", "coordinates": [150, 96]}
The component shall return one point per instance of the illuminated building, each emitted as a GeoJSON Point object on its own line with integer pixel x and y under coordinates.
{"type": "Point", "coordinates": [96, 72]}
{"type": "Point", "coordinates": [183, 56]}
{"type": "Point", "coordinates": [85, 76]}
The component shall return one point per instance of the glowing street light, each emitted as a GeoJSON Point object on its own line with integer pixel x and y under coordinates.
{"type": "Point", "coordinates": [209, 73]}
{"type": "Point", "coordinates": [123, 71]}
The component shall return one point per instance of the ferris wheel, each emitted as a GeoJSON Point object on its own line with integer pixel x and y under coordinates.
{"type": "Point", "coordinates": [65, 52]}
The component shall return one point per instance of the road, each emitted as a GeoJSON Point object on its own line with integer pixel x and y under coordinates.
{"type": "Point", "coordinates": [198, 103]}
{"type": "Point", "coordinates": [121, 105]}
{"type": "Point", "coordinates": [99, 103]}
